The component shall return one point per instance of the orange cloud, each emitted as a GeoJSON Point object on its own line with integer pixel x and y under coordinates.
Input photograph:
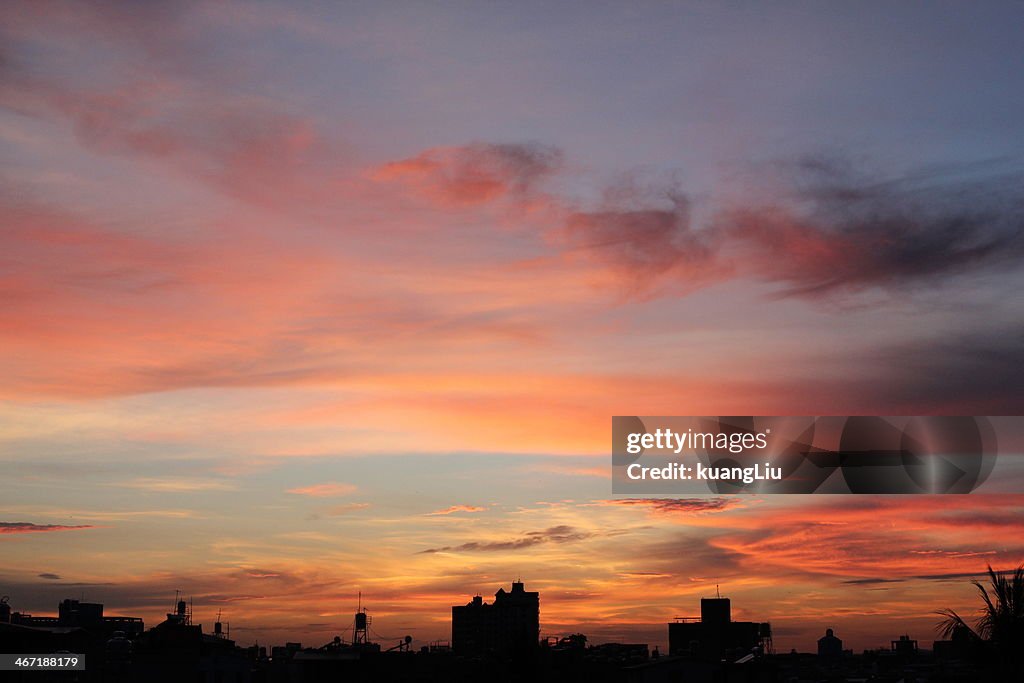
{"type": "Point", "coordinates": [325, 490]}
{"type": "Point", "coordinates": [923, 537]}
{"type": "Point", "coordinates": [457, 508]}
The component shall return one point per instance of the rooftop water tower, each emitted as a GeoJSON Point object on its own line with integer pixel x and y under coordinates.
{"type": "Point", "coordinates": [359, 633]}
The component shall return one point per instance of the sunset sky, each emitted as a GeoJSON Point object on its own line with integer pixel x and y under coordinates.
{"type": "Point", "coordinates": [303, 300]}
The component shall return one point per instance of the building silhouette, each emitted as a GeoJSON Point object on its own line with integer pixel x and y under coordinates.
{"type": "Point", "coordinates": [829, 645]}
{"type": "Point", "coordinates": [715, 634]}
{"type": "Point", "coordinates": [75, 614]}
{"type": "Point", "coordinates": [176, 650]}
{"type": "Point", "coordinates": [904, 646]}
{"type": "Point", "coordinates": [509, 626]}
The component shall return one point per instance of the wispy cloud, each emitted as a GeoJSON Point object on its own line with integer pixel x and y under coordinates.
{"type": "Point", "coordinates": [840, 232]}
{"type": "Point", "coordinates": [457, 508]}
{"type": "Point", "coordinates": [600, 472]}
{"type": "Point", "coordinates": [339, 510]}
{"type": "Point", "coordinates": [263, 574]}
{"type": "Point", "coordinates": [177, 484]}
{"type": "Point", "coordinates": [684, 506]}
{"type": "Point", "coordinates": [324, 490]}
{"type": "Point", "coordinates": [30, 528]}
{"type": "Point", "coordinates": [645, 240]}
{"type": "Point", "coordinates": [557, 535]}
{"type": "Point", "coordinates": [982, 368]}
{"type": "Point", "coordinates": [475, 173]}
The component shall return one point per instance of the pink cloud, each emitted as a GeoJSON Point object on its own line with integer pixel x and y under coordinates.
{"type": "Point", "coordinates": [474, 173]}
{"type": "Point", "coordinates": [262, 574]}
{"type": "Point", "coordinates": [457, 508]}
{"type": "Point", "coordinates": [202, 127]}
{"type": "Point", "coordinates": [923, 537]}
{"type": "Point", "coordinates": [324, 490]}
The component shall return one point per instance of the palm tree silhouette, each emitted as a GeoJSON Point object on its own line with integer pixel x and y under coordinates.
{"type": "Point", "coordinates": [1000, 626]}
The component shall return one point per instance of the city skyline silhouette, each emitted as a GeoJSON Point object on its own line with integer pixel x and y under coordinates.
{"type": "Point", "coordinates": [500, 639]}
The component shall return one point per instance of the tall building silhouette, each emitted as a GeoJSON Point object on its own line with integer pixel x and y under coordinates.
{"type": "Point", "coordinates": [829, 645]}
{"type": "Point", "coordinates": [508, 626]}
{"type": "Point", "coordinates": [715, 633]}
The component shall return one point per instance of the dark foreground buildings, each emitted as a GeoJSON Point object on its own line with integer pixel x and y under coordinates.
{"type": "Point", "coordinates": [495, 642]}
{"type": "Point", "coordinates": [716, 635]}
{"type": "Point", "coordinates": [119, 650]}
{"type": "Point", "coordinates": [509, 626]}
{"type": "Point", "coordinates": [72, 614]}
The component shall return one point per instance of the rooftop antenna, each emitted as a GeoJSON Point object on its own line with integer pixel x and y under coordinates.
{"type": "Point", "coordinates": [718, 592]}
{"type": "Point", "coordinates": [181, 613]}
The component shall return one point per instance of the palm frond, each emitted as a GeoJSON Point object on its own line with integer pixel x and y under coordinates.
{"type": "Point", "coordinates": [951, 623]}
{"type": "Point", "coordinates": [1002, 610]}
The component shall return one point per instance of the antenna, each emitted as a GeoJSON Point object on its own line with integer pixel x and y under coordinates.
{"type": "Point", "coordinates": [718, 592]}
